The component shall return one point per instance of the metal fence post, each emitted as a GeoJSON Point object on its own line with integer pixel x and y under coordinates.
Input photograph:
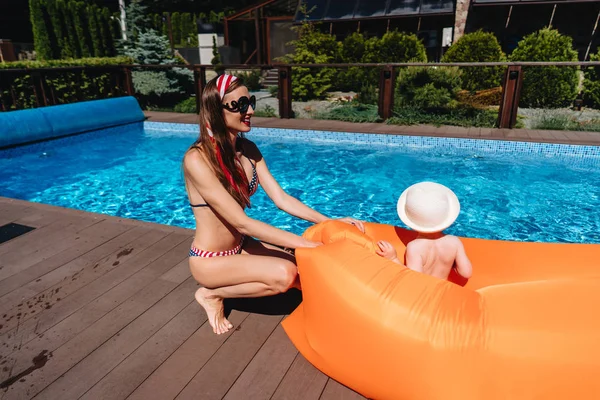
{"type": "Point", "coordinates": [199, 84]}
{"type": "Point", "coordinates": [386, 92]}
{"type": "Point", "coordinates": [511, 93]}
{"type": "Point", "coordinates": [285, 92]}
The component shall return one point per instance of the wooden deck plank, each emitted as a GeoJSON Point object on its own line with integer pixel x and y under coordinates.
{"type": "Point", "coordinates": [71, 275]}
{"type": "Point", "coordinates": [133, 330]}
{"type": "Point", "coordinates": [336, 391]}
{"type": "Point", "coordinates": [91, 238]}
{"type": "Point", "coordinates": [153, 297]}
{"type": "Point", "coordinates": [130, 373]}
{"type": "Point", "coordinates": [79, 293]}
{"type": "Point", "coordinates": [12, 212]}
{"type": "Point", "coordinates": [80, 320]}
{"type": "Point", "coordinates": [48, 224]}
{"type": "Point", "coordinates": [77, 380]}
{"type": "Point", "coordinates": [266, 370]}
{"type": "Point", "coordinates": [301, 382]}
{"type": "Point", "coordinates": [179, 369]}
{"type": "Point", "coordinates": [32, 253]}
{"type": "Point", "coordinates": [221, 371]}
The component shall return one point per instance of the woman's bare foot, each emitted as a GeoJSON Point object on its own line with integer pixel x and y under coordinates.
{"type": "Point", "coordinates": [214, 311]}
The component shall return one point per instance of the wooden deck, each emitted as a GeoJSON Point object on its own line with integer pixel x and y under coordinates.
{"type": "Point", "coordinates": [525, 135]}
{"type": "Point", "coordinates": [98, 307]}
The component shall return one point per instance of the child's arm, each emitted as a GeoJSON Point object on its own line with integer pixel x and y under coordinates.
{"type": "Point", "coordinates": [463, 265]}
{"type": "Point", "coordinates": [387, 250]}
{"type": "Point", "coordinates": [414, 260]}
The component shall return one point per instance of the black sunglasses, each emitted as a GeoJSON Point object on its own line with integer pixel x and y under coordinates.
{"type": "Point", "coordinates": [241, 105]}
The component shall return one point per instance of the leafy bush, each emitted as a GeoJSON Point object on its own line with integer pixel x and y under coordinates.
{"type": "Point", "coordinates": [477, 47]}
{"type": "Point", "coordinates": [367, 94]}
{"type": "Point", "coordinates": [481, 98]}
{"type": "Point", "coordinates": [394, 47]}
{"type": "Point", "coordinates": [312, 47]}
{"type": "Point", "coordinates": [352, 113]}
{"type": "Point", "coordinates": [427, 87]}
{"type": "Point", "coordinates": [397, 46]}
{"type": "Point", "coordinates": [267, 112]}
{"type": "Point", "coordinates": [274, 90]}
{"type": "Point", "coordinates": [186, 106]}
{"type": "Point", "coordinates": [591, 84]}
{"type": "Point", "coordinates": [251, 79]}
{"type": "Point", "coordinates": [545, 87]}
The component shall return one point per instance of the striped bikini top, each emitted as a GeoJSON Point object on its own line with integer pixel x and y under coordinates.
{"type": "Point", "coordinates": [252, 186]}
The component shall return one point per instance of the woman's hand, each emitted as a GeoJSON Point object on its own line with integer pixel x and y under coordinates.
{"type": "Point", "coordinates": [359, 224]}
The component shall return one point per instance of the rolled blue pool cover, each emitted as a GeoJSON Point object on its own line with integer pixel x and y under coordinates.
{"type": "Point", "coordinates": [36, 124]}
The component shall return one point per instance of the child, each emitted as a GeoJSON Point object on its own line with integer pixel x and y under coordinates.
{"type": "Point", "coordinates": [429, 208]}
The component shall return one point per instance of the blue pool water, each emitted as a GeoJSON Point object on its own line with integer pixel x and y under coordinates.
{"type": "Point", "coordinates": [136, 173]}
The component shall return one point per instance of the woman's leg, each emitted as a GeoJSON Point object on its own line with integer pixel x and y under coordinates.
{"type": "Point", "coordinates": [261, 270]}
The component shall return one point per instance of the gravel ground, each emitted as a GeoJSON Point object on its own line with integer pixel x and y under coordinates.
{"type": "Point", "coordinates": [532, 115]}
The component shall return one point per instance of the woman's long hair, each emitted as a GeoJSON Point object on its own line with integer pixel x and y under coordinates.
{"type": "Point", "coordinates": [219, 149]}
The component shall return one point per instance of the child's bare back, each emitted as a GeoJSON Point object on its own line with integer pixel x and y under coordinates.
{"type": "Point", "coordinates": [429, 208]}
{"type": "Point", "coordinates": [437, 257]}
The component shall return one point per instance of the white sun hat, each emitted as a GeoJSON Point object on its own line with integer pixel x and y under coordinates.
{"type": "Point", "coordinates": [428, 207]}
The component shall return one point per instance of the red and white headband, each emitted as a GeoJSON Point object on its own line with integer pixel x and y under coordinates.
{"type": "Point", "coordinates": [223, 83]}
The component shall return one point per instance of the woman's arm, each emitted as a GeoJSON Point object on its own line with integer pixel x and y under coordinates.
{"type": "Point", "coordinates": [213, 192]}
{"type": "Point", "coordinates": [284, 201]}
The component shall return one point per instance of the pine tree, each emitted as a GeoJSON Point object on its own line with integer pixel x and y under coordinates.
{"type": "Point", "coordinates": [81, 28]}
{"type": "Point", "coordinates": [165, 26]}
{"type": "Point", "coordinates": [41, 37]}
{"type": "Point", "coordinates": [176, 27]}
{"type": "Point", "coordinates": [94, 30]}
{"type": "Point", "coordinates": [107, 34]}
{"type": "Point", "coordinates": [138, 20]}
{"type": "Point", "coordinates": [216, 60]}
{"type": "Point", "coordinates": [60, 43]}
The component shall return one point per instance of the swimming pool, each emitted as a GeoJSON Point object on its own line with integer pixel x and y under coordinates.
{"type": "Point", "coordinates": [506, 192]}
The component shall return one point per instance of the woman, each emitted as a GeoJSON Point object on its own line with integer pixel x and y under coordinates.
{"type": "Point", "coordinates": [221, 172]}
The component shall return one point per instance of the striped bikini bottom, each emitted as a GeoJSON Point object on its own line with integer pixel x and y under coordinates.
{"type": "Point", "coordinates": [194, 252]}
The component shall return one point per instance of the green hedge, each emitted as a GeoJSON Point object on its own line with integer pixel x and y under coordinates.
{"type": "Point", "coordinates": [74, 62]}
{"type": "Point", "coordinates": [64, 86]}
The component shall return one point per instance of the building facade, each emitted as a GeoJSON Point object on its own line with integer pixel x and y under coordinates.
{"type": "Point", "coordinates": [261, 33]}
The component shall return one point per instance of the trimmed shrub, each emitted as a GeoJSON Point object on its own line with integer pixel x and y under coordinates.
{"type": "Point", "coordinates": [397, 46]}
{"type": "Point", "coordinates": [545, 87]}
{"type": "Point", "coordinates": [477, 47]}
{"type": "Point", "coordinates": [427, 87]}
{"type": "Point", "coordinates": [394, 46]}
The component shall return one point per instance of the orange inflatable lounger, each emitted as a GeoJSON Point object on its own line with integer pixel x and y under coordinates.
{"type": "Point", "coordinates": [525, 326]}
